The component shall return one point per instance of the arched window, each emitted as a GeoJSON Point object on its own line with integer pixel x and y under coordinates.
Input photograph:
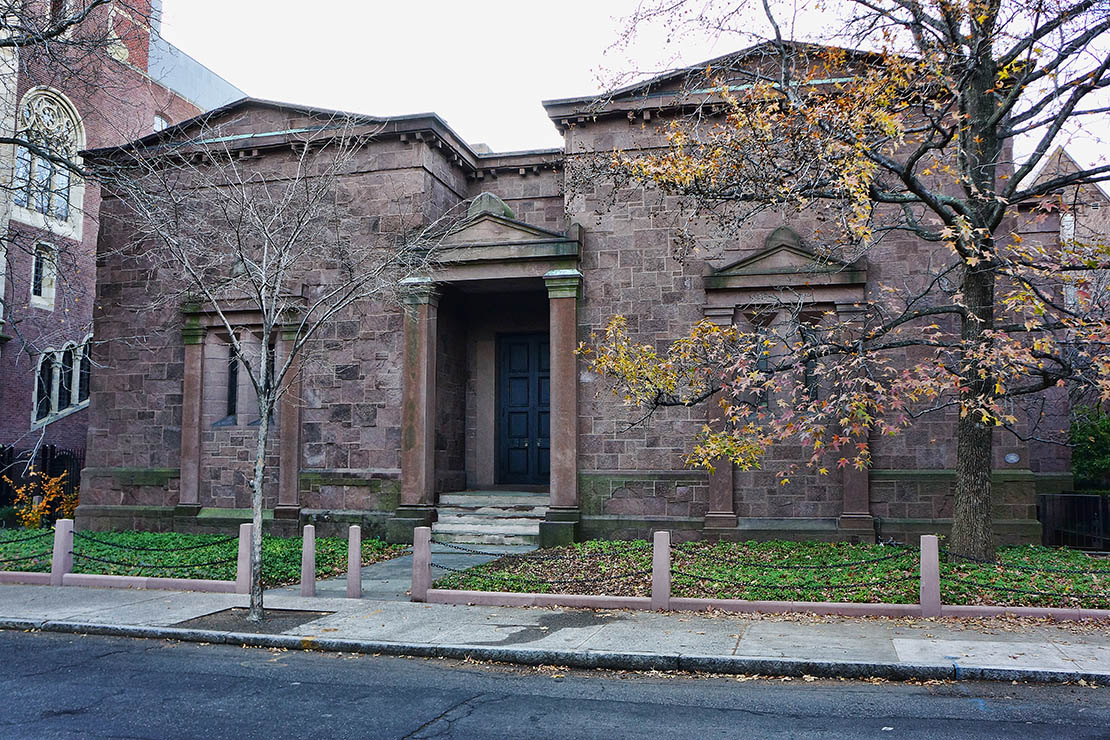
{"type": "Point", "coordinates": [43, 181]}
{"type": "Point", "coordinates": [84, 374]}
{"type": "Point", "coordinates": [44, 387]}
{"type": "Point", "coordinates": [65, 380]}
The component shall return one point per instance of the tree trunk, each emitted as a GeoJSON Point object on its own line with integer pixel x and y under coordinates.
{"type": "Point", "coordinates": [972, 523]}
{"type": "Point", "coordinates": [256, 612]}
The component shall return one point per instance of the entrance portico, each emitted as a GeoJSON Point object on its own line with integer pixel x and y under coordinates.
{"type": "Point", "coordinates": [495, 279]}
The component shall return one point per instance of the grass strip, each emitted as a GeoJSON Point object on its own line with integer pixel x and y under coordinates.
{"type": "Point", "coordinates": [798, 571]}
{"type": "Point", "coordinates": [281, 556]}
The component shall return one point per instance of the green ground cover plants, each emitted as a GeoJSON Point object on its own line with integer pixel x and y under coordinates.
{"type": "Point", "coordinates": [798, 571]}
{"type": "Point", "coordinates": [281, 556]}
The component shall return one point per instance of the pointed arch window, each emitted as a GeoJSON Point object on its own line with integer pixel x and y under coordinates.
{"type": "Point", "coordinates": [65, 380]}
{"type": "Point", "coordinates": [44, 182]}
{"type": "Point", "coordinates": [44, 387]}
{"type": "Point", "coordinates": [84, 374]}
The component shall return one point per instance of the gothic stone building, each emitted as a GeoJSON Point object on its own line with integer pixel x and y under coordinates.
{"type": "Point", "coordinates": [471, 409]}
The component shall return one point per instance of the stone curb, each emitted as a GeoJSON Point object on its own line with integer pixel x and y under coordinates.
{"type": "Point", "coordinates": [577, 659]}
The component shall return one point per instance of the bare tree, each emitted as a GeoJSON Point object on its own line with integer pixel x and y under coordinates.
{"type": "Point", "coordinates": [241, 234]}
{"type": "Point", "coordinates": [912, 136]}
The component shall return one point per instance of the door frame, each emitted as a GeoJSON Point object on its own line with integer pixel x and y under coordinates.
{"type": "Point", "coordinates": [499, 462]}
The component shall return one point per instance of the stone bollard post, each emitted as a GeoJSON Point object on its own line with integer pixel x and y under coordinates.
{"type": "Point", "coordinates": [354, 562]}
{"type": "Point", "coordinates": [421, 563]}
{"type": "Point", "coordinates": [308, 560]}
{"type": "Point", "coordinates": [61, 561]}
{"type": "Point", "coordinates": [930, 576]}
{"type": "Point", "coordinates": [243, 566]}
{"type": "Point", "coordinates": [661, 571]}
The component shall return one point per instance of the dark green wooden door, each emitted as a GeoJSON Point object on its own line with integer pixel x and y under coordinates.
{"type": "Point", "coordinates": [523, 409]}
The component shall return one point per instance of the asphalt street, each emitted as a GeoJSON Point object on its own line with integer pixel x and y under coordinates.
{"type": "Point", "coordinates": [67, 686]}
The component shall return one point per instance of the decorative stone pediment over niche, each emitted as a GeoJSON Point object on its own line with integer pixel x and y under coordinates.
{"type": "Point", "coordinates": [785, 262]}
{"type": "Point", "coordinates": [492, 233]}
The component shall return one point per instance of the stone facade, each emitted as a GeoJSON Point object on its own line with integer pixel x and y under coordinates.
{"type": "Point", "coordinates": [410, 403]}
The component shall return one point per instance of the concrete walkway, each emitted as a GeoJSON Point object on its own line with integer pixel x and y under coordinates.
{"type": "Point", "coordinates": [800, 645]}
{"type": "Point", "coordinates": [390, 580]}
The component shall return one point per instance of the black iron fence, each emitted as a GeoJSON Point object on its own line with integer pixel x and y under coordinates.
{"type": "Point", "coordinates": [50, 459]}
{"type": "Point", "coordinates": [1079, 520]}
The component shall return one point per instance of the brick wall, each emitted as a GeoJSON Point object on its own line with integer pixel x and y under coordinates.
{"type": "Point", "coordinates": [116, 102]}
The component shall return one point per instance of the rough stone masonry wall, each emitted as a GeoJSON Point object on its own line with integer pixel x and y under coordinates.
{"type": "Point", "coordinates": [632, 469]}
{"type": "Point", "coordinates": [628, 270]}
{"type": "Point", "coordinates": [351, 383]}
{"type": "Point", "coordinates": [535, 197]}
{"type": "Point", "coordinates": [450, 418]}
{"type": "Point", "coordinates": [351, 423]}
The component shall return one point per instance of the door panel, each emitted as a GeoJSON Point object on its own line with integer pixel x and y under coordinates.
{"type": "Point", "coordinates": [523, 413]}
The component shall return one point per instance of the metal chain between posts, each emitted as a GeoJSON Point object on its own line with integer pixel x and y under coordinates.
{"type": "Point", "coordinates": [1026, 568]}
{"type": "Point", "coordinates": [534, 558]}
{"type": "Point", "coordinates": [90, 538]}
{"type": "Point", "coordinates": [773, 566]}
{"type": "Point", "coordinates": [226, 561]}
{"type": "Point", "coordinates": [1057, 594]}
{"type": "Point", "coordinates": [559, 582]}
{"type": "Point", "coordinates": [27, 557]}
{"type": "Point", "coordinates": [38, 536]}
{"type": "Point", "coordinates": [795, 587]}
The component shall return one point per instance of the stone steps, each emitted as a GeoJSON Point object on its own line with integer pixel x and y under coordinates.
{"type": "Point", "coordinates": [490, 517]}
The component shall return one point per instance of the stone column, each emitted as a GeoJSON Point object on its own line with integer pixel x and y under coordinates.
{"type": "Point", "coordinates": [289, 423]}
{"type": "Point", "coordinates": [563, 513]}
{"type": "Point", "coordinates": [418, 406]}
{"type": "Point", "coordinates": [188, 502]}
{"type": "Point", "coordinates": [855, 522]}
{"type": "Point", "coordinates": [722, 508]}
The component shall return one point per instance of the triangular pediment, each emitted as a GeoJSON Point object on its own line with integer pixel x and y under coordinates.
{"type": "Point", "coordinates": [781, 259]}
{"type": "Point", "coordinates": [491, 229]}
{"type": "Point", "coordinates": [784, 262]}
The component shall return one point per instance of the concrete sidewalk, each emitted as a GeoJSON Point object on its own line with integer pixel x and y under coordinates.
{"type": "Point", "coordinates": [896, 649]}
{"type": "Point", "coordinates": [390, 580]}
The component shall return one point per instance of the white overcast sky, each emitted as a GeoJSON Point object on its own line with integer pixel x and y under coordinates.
{"type": "Point", "coordinates": [483, 65]}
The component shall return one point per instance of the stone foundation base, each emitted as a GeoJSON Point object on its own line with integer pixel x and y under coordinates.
{"type": "Point", "coordinates": [1006, 531]}
{"type": "Point", "coordinates": [399, 526]}
{"type": "Point", "coordinates": [226, 521]}
{"type": "Point", "coordinates": [560, 527]}
{"type": "Point", "coordinates": [568, 526]}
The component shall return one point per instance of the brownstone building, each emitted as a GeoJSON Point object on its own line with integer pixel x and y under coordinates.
{"type": "Point", "coordinates": [470, 409]}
